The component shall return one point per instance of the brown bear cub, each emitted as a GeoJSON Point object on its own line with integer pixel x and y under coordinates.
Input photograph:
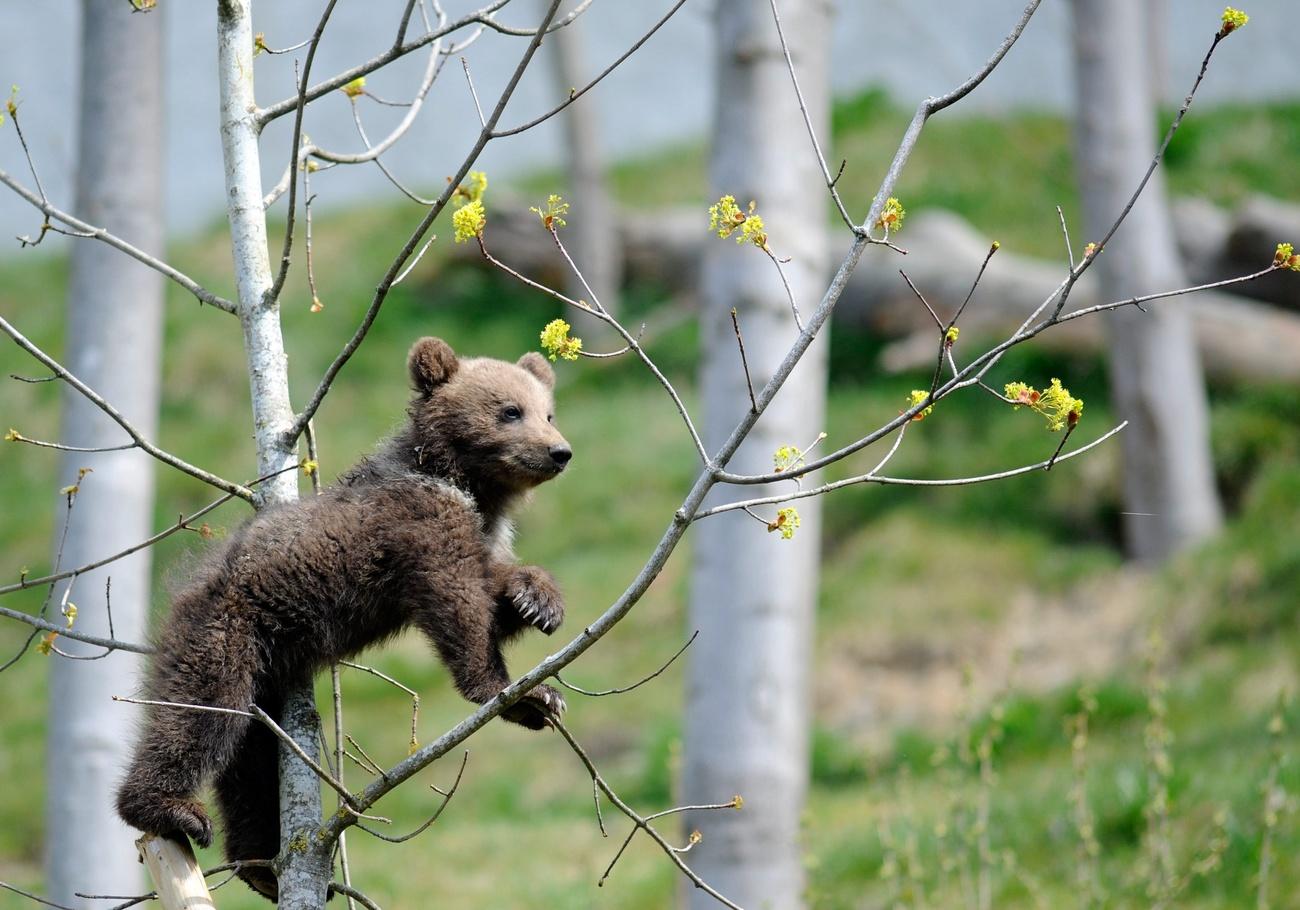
{"type": "Point", "coordinates": [416, 534]}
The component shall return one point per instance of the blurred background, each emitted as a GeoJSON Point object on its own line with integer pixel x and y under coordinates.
{"type": "Point", "coordinates": [1003, 693]}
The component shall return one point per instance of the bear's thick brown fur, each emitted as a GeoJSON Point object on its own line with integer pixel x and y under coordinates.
{"type": "Point", "coordinates": [414, 535]}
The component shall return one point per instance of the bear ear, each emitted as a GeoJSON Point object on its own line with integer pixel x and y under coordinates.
{"type": "Point", "coordinates": [536, 364]}
{"type": "Point", "coordinates": [431, 362]}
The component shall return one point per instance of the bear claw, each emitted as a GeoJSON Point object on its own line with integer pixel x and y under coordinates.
{"type": "Point", "coordinates": [537, 709]}
{"type": "Point", "coordinates": [536, 598]}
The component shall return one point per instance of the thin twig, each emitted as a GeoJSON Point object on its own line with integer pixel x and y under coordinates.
{"type": "Point", "coordinates": [1065, 231]}
{"type": "Point", "coordinates": [921, 297]}
{"type": "Point", "coordinates": [1146, 178]}
{"type": "Point", "coordinates": [642, 823]}
{"type": "Point", "coordinates": [415, 696]}
{"type": "Point", "coordinates": [182, 524]}
{"type": "Point", "coordinates": [336, 690]}
{"type": "Point", "coordinates": [638, 683]}
{"type": "Point", "coordinates": [446, 798]}
{"type": "Point", "coordinates": [352, 894]}
{"type": "Point", "coordinates": [993, 248]}
{"type": "Point", "coordinates": [807, 120]}
{"type": "Point", "coordinates": [744, 362]}
{"type": "Point", "coordinates": [785, 282]}
{"type": "Point", "coordinates": [470, 79]}
{"type": "Point", "coordinates": [15, 436]}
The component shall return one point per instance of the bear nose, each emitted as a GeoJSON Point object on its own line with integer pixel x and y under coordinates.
{"type": "Point", "coordinates": [561, 455]}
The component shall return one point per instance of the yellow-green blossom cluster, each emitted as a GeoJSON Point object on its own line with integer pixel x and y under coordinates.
{"type": "Point", "coordinates": [727, 218]}
{"type": "Point", "coordinates": [891, 216]}
{"type": "Point", "coordinates": [914, 398]}
{"type": "Point", "coordinates": [1233, 19]}
{"type": "Point", "coordinates": [1286, 257]}
{"type": "Point", "coordinates": [355, 88]}
{"type": "Point", "coordinates": [470, 217]}
{"type": "Point", "coordinates": [556, 341]}
{"type": "Point", "coordinates": [1057, 406]}
{"type": "Point", "coordinates": [553, 215]}
{"type": "Point", "coordinates": [950, 337]}
{"type": "Point", "coordinates": [11, 105]}
{"type": "Point", "coordinates": [786, 522]}
{"type": "Point", "coordinates": [473, 189]}
{"type": "Point", "coordinates": [786, 458]}
{"type": "Point", "coordinates": [469, 221]}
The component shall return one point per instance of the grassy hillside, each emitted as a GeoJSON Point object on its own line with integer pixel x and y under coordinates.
{"type": "Point", "coordinates": [917, 585]}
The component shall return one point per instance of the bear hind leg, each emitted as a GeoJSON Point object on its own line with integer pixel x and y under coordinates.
{"type": "Point", "coordinates": [248, 797]}
{"type": "Point", "coordinates": [182, 747]}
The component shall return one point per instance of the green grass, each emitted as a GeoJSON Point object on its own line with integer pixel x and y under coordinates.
{"type": "Point", "coordinates": [1005, 175]}
{"type": "Point", "coordinates": [925, 575]}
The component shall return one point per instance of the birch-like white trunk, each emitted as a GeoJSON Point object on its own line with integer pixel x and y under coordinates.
{"type": "Point", "coordinates": [753, 594]}
{"type": "Point", "coordinates": [304, 880]}
{"type": "Point", "coordinates": [1157, 384]}
{"type": "Point", "coordinates": [114, 344]}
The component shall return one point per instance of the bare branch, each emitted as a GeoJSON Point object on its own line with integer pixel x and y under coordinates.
{"type": "Point", "coordinates": [88, 230]}
{"type": "Point", "coordinates": [273, 293]}
{"type": "Point", "coordinates": [909, 482]}
{"type": "Point", "coordinates": [482, 17]}
{"type": "Point", "coordinates": [96, 399]}
{"type": "Point", "coordinates": [931, 106]}
{"type": "Point", "coordinates": [575, 95]}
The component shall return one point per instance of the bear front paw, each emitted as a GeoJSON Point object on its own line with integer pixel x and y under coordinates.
{"type": "Point", "coordinates": [536, 709]}
{"type": "Point", "coordinates": [166, 816]}
{"type": "Point", "coordinates": [535, 597]}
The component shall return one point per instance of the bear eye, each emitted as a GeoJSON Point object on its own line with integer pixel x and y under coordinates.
{"type": "Point", "coordinates": [550, 418]}
{"type": "Point", "coordinates": [511, 412]}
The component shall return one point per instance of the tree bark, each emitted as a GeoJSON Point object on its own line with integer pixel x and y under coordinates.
{"type": "Point", "coordinates": [304, 877]}
{"type": "Point", "coordinates": [1156, 381]}
{"type": "Point", "coordinates": [114, 344]}
{"type": "Point", "coordinates": [752, 593]}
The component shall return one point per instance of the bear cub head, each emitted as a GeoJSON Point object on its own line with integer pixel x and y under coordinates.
{"type": "Point", "coordinates": [487, 421]}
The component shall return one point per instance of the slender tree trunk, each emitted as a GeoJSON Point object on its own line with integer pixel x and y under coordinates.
{"type": "Point", "coordinates": [594, 240]}
{"type": "Point", "coordinates": [1156, 381]}
{"type": "Point", "coordinates": [752, 593]}
{"type": "Point", "coordinates": [114, 344]}
{"type": "Point", "coordinates": [305, 876]}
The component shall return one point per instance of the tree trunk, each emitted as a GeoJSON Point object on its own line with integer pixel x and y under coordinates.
{"type": "Point", "coordinates": [304, 878]}
{"type": "Point", "coordinates": [1156, 380]}
{"type": "Point", "coordinates": [752, 593]}
{"type": "Point", "coordinates": [114, 343]}
{"type": "Point", "coordinates": [594, 238]}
